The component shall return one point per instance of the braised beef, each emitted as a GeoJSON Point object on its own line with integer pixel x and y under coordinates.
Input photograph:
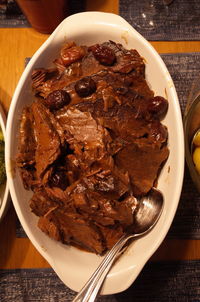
{"type": "Point", "coordinates": [91, 143]}
{"type": "Point", "coordinates": [48, 141]}
{"type": "Point", "coordinates": [27, 147]}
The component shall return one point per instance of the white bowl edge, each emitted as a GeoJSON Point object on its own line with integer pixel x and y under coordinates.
{"type": "Point", "coordinates": [112, 284]}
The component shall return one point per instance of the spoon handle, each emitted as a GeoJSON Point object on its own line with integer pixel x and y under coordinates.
{"type": "Point", "coordinates": [90, 290]}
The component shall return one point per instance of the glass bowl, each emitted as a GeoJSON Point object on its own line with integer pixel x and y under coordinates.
{"type": "Point", "coordinates": [191, 126]}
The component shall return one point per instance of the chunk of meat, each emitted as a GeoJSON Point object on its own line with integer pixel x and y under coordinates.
{"type": "Point", "coordinates": [48, 140]}
{"type": "Point", "coordinates": [112, 234]}
{"type": "Point", "coordinates": [27, 146]}
{"type": "Point", "coordinates": [71, 228]}
{"type": "Point", "coordinates": [82, 128]}
{"type": "Point", "coordinates": [85, 136]}
{"type": "Point", "coordinates": [41, 204]}
{"type": "Point", "coordinates": [26, 156]}
{"type": "Point", "coordinates": [143, 163]}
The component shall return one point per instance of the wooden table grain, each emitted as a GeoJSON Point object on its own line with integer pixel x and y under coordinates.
{"type": "Point", "coordinates": [15, 45]}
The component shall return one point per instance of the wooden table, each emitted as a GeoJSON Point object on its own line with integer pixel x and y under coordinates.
{"type": "Point", "coordinates": [15, 45]}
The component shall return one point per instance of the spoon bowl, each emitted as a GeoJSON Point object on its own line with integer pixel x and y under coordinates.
{"type": "Point", "coordinates": [148, 211]}
{"type": "Point", "coordinates": [146, 216]}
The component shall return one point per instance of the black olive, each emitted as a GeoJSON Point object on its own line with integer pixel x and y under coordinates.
{"type": "Point", "coordinates": [57, 99]}
{"type": "Point", "coordinates": [157, 106]}
{"type": "Point", "coordinates": [85, 87]}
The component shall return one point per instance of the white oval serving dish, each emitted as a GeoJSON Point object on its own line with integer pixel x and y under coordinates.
{"type": "Point", "coordinates": [74, 266]}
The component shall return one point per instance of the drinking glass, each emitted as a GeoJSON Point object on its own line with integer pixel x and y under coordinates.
{"type": "Point", "coordinates": [151, 13]}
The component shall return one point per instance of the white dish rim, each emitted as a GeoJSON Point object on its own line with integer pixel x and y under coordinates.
{"type": "Point", "coordinates": [104, 17]}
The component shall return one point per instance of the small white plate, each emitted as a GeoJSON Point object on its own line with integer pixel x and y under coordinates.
{"type": "Point", "coordinates": [4, 190]}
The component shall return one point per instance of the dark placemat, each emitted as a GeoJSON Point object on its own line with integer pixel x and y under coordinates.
{"type": "Point", "coordinates": [12, 16]}
{"type": "Point", "coordinates": [176, 281]}
{"type": "Point", "coordinates": [184, 68]}
{"type": "Point", "coordinates": [179, 21]}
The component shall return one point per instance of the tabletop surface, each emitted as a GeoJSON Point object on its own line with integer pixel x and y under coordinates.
{"type": "Point", "coordinates": [16, 44]}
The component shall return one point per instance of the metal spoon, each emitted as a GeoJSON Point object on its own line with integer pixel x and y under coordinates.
{"type": "Point", "coordinates": [146, 216]}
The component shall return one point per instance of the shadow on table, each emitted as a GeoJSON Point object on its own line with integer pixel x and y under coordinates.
{"type": "Point", "coordinates": [164, 282]}
{"type": "Point", "coordinates": [8, 242]}
{"type": "Point", "coordinates": [76, 6]}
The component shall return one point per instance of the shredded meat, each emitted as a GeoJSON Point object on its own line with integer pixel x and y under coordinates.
{"type": "Point", "coordinates": [91, 143]}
